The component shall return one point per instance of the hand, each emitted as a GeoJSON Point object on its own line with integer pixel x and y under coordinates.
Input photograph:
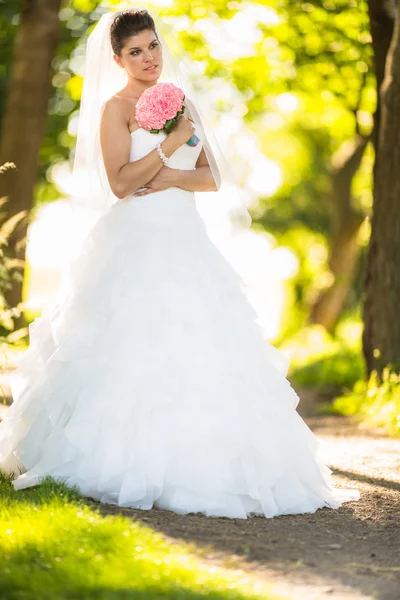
{"type": "Point", "coordinates": [162, 181]}
{"type": "Point", "coordinates": [183, 129]}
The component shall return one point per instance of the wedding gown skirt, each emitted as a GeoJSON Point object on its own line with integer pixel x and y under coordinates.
{"type": "Point", "coordinates": [151, 384]}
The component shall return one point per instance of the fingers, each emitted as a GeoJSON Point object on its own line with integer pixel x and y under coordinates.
{"type": "Point", "coordinates": [145, 192]}
{"type": "Point", "coordinates": [142, 192]}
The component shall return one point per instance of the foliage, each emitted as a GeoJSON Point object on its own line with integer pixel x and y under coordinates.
{"type": "Point", "coordinates": [334, 366]}
{"type": "Point", "coordinates": [317, 103]}
{"type": "Point", "coordinates": [303, 85]}
{"type": "Point", "coordinates": [54, 546]}
{"type": "Point", "coordinates": [8, 273]}
{"type": "Point", "coordinates": [8, 26]}
{"type": "Point", "coordinates": [324, 362]}
{"type": "Point", "coordinates": [375, 402]}
{"type": "Point", "coordinates": [334, 369]}
{"type": "Point", "coordinates": [305, 89]}
{"type": "Point", "coordinates": [76, 17]}
{"type": "Point", "coordinates": [311, 250]}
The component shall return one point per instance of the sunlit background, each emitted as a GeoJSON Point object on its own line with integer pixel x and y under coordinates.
{"type": "Point", "coordinates": [263, 265]}
{"type": "Point", "coordinates": [293, 91]}
{"type": "Point", "coordinates": [291, 96]}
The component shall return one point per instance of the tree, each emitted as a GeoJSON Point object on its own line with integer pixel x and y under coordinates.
{"type": "Point", "coordinates": [326, 50]}
{"type": "Point", "coordinates": [24, 120]}
{"type": "Point", "coordinates": [345, 248]}
{"type": "Point", "coordinates": [381, 338]}
{"type": "Point", "coordinates": [318, 52]}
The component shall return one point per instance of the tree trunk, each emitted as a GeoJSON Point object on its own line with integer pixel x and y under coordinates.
{"type": "Point", "coordinates": [345, 249]}
{"type": "Point", "coordinates": [24, 119]}
{"type": "Point", "coordinates": [381, 15]}
{"type": "Point", "coordinates": [381, 337]}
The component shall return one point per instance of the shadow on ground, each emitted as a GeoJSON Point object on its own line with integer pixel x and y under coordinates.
{"type": "Point", "coordinates": [352, 552]}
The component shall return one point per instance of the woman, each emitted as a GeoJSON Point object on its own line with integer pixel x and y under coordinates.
{"type": "Point", "coordinates": [150, 383]}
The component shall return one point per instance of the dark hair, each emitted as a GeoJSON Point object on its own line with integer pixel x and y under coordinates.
{"type": "Point", "coordinates": [127, 23]}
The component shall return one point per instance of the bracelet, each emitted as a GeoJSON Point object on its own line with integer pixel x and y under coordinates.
{"type": "Point", "coordinates": [161, 154]}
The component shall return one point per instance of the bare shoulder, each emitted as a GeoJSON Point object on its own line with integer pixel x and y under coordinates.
{"type": "Point", "coordinates": [120, 109]}
{"type": "Point", "coordinates": [115, 140]}
{"type": "Point", "coordinates": [116, 107]}
{"type": "Point", "coordinates": [114, 125]}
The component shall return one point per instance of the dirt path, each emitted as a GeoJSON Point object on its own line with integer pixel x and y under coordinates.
{"type": "Point", "coordinates": [352, 552]}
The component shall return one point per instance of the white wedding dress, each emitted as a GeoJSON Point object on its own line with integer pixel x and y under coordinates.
{"type": "Point", "coordinates": [151, 384]}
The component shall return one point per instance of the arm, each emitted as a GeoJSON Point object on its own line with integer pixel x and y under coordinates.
{"type": "Point", "coordinates": [125, 177]}
{"type": "Point", "coordinates": [201, 179]}
{"type": "Point", "coordinates": [198, 180]}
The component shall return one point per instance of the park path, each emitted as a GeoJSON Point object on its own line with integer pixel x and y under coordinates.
{"type": "Point", "coordinates": [349, 553]}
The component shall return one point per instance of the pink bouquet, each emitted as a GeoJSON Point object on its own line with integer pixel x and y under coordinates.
{"type": "Point", "coordinates": [159, 108]}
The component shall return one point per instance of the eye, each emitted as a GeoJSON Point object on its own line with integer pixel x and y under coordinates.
{"type": "Point", "coordinates": [134, 52]}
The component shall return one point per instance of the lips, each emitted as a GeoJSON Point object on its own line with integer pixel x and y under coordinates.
{"type": "Point", "coordinates": [151, 68]}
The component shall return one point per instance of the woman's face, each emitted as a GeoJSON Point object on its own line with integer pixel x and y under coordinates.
{"type": "Point", "coordinates": [140, 52]}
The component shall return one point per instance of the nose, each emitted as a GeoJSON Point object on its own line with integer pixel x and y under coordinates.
{"type": "Point", "coordinates": [148, 56]}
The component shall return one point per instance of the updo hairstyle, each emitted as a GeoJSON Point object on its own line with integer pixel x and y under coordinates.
{"type": "Point", "coordinates": [128, 23]}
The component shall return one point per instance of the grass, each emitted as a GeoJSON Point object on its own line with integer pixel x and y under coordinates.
{"type": "Point", "coordinates": [335, 367]}
{"type": "Point", "coordinates": [332, 370]}
{"type": "Point", "coordinates": [374, 402]}
{"type": "Point", "coordinates": [54, 547]}
{"type": "Point", "coordinates": [321, 361]}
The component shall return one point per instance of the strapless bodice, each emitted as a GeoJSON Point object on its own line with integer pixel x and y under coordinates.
{"type": "Point", "coordinates": [171, 201]}
{"type": "Point", "coordinates": [184, 158]}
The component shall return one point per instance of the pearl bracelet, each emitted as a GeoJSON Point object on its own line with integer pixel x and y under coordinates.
{"type": "Point", "coordinates": [161, 154]}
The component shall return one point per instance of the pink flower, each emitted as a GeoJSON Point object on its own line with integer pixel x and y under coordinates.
{"type": "Point", "coordinates": [158, 104]}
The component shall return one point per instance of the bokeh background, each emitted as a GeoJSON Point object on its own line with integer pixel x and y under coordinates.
{"type": "Point", "coordinates": [294, 87]}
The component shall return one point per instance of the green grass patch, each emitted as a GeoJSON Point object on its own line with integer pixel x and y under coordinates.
{"type": "Point", "coordinates": [374, 402]}
{"type": "Point", "coordinates": [54, 547]}
{"type": "Point", "coordinates": [321, 361]}
{"type": "Point", "coordinates": [332, 369]}
{"type": "Point", "coordinates": [335, 367]}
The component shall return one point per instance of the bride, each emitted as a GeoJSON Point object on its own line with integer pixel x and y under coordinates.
{"type": "Point", "coordinates": [150, 383]}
